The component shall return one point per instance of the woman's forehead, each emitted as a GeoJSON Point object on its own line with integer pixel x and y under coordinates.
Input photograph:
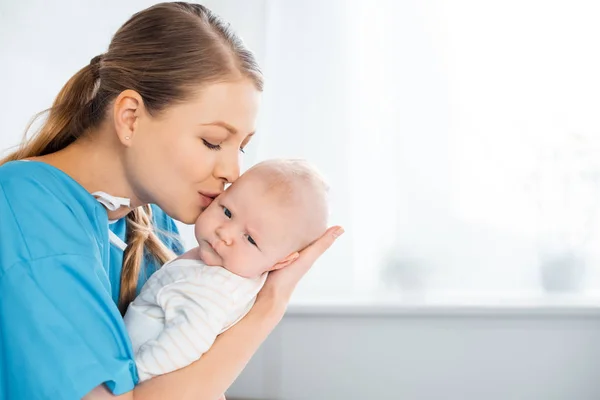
{"type": "Point", "coordinates": [228, 105]}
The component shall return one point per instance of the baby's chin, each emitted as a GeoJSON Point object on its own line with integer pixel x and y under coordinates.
{"type": "Point", "coordinates": [208, 256]}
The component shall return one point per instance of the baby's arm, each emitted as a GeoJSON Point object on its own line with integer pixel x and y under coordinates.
{"type": "Point", "coordinates": [195, 313]}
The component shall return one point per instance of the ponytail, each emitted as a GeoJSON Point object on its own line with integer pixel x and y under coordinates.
{"type": "Point", "coordinates": [70, 115]}
{"type": "Point", "coordinates": [77, 108]}
{"type": "Point", "coordinates": [140, 236]}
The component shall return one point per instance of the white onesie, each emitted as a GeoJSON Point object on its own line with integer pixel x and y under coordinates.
{"type": "Point", "coordinates": [181, 310]}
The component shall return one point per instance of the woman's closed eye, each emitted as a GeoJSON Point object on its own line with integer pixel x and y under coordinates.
{"type": "Point", "coordinates": [211, 146]}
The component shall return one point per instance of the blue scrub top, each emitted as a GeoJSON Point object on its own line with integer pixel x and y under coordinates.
{"type": "Point", "coordinates": [61, 333]}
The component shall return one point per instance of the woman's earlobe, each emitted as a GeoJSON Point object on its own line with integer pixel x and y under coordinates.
{"type": "Point", "coordinates": [125, 113]}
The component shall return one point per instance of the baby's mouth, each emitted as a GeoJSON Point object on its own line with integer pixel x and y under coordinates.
{"type": "Point", "coordinates": [209, 244]}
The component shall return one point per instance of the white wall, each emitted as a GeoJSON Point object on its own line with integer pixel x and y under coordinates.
{"type": "Point", "coordinates": [428, 355]}
{"type": "Point", "coordinates": [42, 46]}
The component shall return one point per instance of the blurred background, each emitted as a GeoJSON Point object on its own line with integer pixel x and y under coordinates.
{"type": "Point", "coordinates": [461, 140]}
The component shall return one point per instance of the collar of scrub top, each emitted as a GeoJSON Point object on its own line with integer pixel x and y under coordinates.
{"type": "Point", "coordinates": [113, 203]}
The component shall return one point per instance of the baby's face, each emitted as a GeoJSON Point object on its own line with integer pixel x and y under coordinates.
{"type": "Point", "coordinates": [244, 229]}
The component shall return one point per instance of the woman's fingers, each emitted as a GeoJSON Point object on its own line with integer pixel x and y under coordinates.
{"type": "Point", "coordinates": [281, 283]}
{"type": "Point", "coordinates": [309, 255]}
{"type": "Point", "coordinates": [291, 275]}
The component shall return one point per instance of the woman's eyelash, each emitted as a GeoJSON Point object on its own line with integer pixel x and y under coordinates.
{"type": "Point", "coordinates": [211, 146]}
{"type": "Point", "coordinates": [218, 146]}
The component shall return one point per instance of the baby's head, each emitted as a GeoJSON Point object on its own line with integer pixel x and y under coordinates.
{"type": "Point", "coordinates": [259, 223]}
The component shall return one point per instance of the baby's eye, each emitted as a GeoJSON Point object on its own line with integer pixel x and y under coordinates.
{"type": "Point", "coordinates": [227, 212]}
{"type": "Point", "coordinates": [252, 241]}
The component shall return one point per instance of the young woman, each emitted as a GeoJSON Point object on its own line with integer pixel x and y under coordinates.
{"type": "Point", "coordinates": [161, 118]}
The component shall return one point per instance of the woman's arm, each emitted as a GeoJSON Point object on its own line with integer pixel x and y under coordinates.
{"type": "Point", "coordinates": [209, 377]}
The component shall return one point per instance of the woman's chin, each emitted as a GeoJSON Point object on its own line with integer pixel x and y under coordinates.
{"type": "Point", "coordinates": [187, 216]}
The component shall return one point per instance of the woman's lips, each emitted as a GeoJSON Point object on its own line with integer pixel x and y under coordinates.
{"type": "Point", "coordinates": [207, 198]}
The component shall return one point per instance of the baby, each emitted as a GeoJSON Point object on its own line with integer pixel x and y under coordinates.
{"type": "Point", "coordinates": [257, 225]}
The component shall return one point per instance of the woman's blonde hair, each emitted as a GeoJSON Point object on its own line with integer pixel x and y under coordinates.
{"type": "Point", "coordinates": [162, 53]}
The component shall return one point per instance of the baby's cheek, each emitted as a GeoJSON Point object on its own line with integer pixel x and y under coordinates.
{"type": "Point", "coordinates": [262, 264]}
{"type": "Point", "coordinates": [240, 263]}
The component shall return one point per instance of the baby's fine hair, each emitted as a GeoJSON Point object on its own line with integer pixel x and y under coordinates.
{"type": "Point", "coordinates": [297, 183]}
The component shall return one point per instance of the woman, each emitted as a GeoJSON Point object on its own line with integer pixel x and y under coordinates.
{"type": "Point", "coordinates": [160, 118]}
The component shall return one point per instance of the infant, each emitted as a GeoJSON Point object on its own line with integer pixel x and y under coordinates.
{"type": "Point", "coordinates": [259, 224]}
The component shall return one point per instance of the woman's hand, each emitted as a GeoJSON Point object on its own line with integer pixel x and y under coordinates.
{"type": "Point", "coordinates": [280, 284]}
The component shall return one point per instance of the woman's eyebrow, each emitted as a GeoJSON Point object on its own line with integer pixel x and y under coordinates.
{"type": "Point", "coordinates": [222, 124]}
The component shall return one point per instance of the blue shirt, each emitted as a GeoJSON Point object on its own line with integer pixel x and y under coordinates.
{"type": "Point", "coordinates": [61, 333]}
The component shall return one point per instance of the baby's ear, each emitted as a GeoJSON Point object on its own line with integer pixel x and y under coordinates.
{"type": "Point", "coordinates": [286, 261]}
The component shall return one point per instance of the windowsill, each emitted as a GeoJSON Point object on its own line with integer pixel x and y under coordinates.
{"type": "Point", "coordinates": [543, 305]}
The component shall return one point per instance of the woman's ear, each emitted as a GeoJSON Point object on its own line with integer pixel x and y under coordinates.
{"type": "Point", "coordinates": [127, 108]}
{"type": "Point", "coordinates": [286, 261]}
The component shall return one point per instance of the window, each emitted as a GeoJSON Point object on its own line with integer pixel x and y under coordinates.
{"type": "Point", "coordinates": [460, 140]}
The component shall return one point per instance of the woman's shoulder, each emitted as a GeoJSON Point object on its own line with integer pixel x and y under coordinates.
{"type": "Point", "coordinates": [53, 275]}
{"type": "Point", "coordinates": [44, 212]}
{"type": "Point", "coordinates": [22, 169]}
{"type": "Point", "coordinates": [34, 177]}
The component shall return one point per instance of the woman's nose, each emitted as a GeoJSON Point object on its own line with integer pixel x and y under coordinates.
{"type": "Point", "coordinates": [228, 166]}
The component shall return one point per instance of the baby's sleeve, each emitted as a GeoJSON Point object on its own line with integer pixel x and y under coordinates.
{"type": "Point", "coordinates": [196, 311]}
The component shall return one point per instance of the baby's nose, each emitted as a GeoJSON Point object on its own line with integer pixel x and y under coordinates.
{"type": "Point", "coordinates": [225, 235]}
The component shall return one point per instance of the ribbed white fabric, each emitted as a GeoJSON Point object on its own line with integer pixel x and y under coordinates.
{"type": "Point", "coordinates": [181, 310]}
